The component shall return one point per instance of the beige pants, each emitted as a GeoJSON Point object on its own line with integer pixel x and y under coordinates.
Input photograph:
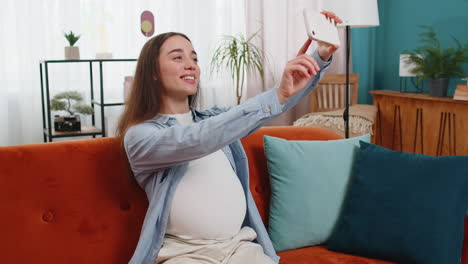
{"type": "Point", "coordinates": [237, 250]}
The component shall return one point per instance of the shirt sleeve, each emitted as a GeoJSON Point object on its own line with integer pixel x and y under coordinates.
{"type": "Point", "coordinates": [150, 147]}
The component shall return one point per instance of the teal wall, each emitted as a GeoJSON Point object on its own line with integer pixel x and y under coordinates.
{"type": "Point", "coordinates": [376, 50]}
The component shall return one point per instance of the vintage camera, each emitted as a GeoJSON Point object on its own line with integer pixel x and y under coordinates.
{"type": "Point", "coordinates": [67, 123]}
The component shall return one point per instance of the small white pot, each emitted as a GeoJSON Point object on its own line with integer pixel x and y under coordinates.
{"type": "Point", "coordinates": [72, 53]}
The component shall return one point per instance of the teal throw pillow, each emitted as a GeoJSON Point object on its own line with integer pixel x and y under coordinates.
{"type": "Point", "coordinates": [404, 207]}
{"type": "Point", "coordinates": [308, 183]}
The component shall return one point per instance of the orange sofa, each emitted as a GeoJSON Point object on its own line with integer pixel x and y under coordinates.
{"type": "Point", "coordinates": [76, 201]}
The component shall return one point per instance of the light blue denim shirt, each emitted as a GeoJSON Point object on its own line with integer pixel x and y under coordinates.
{"type": "Point", "coordinates": [159, 150]}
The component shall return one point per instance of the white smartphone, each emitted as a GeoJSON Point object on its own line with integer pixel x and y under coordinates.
{"type": "Point", "coordinates": [320, 28]}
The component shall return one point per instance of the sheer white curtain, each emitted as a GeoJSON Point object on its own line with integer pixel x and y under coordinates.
{"type": "Point", "coordinates": [283, 33]}
{"type": "Point", "coordinates": [33, 30]}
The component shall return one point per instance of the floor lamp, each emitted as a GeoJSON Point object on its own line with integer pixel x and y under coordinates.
{"type": "Point", "coordinates": [355, 14]}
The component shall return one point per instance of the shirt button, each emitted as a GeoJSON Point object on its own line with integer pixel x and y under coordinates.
{"type": "Point", "coordinates": [267, 109]}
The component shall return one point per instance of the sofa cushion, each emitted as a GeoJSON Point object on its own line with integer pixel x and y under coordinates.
{"type": "Point", "coordinates": [406, 208]}
{"type": "Point", "coordinates": [259, 179]}
{"type": "Point", "coordinates": [308, 181]}
{"type": "Point", "coordinates": [69, 202]}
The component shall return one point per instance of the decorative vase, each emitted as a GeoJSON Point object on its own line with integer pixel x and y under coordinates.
{"type": "Point", "coordinates": [72, 53]}
{"type": "Point", "coordinates": [438, 87]}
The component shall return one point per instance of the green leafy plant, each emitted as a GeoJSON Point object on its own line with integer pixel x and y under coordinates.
{"type": "Point", "coordinates": [431, 61]}
{"type": "Point", "coordinates": [241, 57]}
{"type": "Point", "coordinates": [63, 101]}
{"type": "Point", "coordinates": [72, 38]}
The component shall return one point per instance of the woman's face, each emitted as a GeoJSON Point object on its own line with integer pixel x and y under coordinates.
{"type": "Point", "coordinates": [179, 70]}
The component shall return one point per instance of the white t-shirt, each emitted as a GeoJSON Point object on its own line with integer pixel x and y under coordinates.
{"type": "Point", "coordinates": [209, 202]}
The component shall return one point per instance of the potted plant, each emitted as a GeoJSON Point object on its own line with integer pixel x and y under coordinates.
{"type": "Point", "coordinates": [436, 64]}
{"type": "Point", "coordinates": [72, 52]}
{"type": "Point", "coordinates": [63, 102]}
{"type": "Point", "coordinates": [241, 57]}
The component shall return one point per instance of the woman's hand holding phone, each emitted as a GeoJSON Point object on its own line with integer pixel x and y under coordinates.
{"type": "Point", "coordinates": [299, 70]}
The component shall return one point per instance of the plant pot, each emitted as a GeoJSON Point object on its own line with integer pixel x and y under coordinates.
{"type": "Point", "coordinates": [438, 87]}
{"type": "Point", "coordinates": [67, 123]}
{"type": "Point", "coordinates": [72, 53]}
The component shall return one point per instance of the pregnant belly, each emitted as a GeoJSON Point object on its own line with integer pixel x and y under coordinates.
{"type": "Point", "coordinates": [207, 209]}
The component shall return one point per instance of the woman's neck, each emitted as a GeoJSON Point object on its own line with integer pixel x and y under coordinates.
{"type": "Point", "coordinates": [171, 106]}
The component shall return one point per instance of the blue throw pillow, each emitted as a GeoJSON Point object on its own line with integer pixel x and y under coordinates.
{"type": "Point", "coordinates": [404, 208]}
{"type": "Point", "coordinates": [308, 182]}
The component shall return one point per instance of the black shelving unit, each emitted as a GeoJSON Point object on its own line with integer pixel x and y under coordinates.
{"type": "Point", "coordinates": [48, 131]}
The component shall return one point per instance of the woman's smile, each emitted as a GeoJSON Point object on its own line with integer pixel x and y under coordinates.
{"type": "Point", "coordinates": [189, 78]}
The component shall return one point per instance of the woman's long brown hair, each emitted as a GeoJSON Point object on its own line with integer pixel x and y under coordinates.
{"type": "Point", "coordinates": [144, 99]}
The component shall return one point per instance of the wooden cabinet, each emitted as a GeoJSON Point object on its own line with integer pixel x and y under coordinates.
{"type": "Point", "coordinates": [420, 123]}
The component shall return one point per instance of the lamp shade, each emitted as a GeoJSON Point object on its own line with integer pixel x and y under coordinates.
{"type": "Point", "coordinates": [354, 13]}
{"type": "Point", "coordinates": [406, 67]}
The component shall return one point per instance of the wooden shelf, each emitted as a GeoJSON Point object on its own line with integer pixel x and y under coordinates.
{"type": "Point", "coordinates": [85, 131]}
{"type": "Point", "coordinates": [418, 96]}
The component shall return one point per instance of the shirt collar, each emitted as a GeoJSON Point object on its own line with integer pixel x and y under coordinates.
{"type": "Point", "coordinates": [164, 119]}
